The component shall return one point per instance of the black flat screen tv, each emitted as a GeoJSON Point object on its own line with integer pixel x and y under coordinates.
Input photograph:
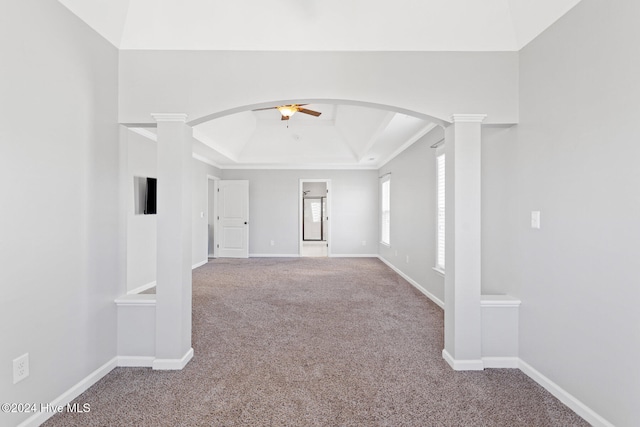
{"type": "Point", "coordinates": [151, 196]}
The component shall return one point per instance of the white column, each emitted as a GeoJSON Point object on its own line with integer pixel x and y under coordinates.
{"type": "Point", "coordinates": [173, 279]}
{"type": "Point", "coordinates": [462, 318]}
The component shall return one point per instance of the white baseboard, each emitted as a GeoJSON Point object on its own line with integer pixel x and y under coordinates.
{"type": "Point", "coordinates": [141, 288]}
{"type": "Point", "coordinates": [199, 264]}
{"type": "Point", "coordinates": [462, 365]}
{"type": "Point", "coordinates": [562, 395]}
{"type": "Point", "coordinates": [173, 364]}
{"type": "Point", "coordinates": [415, 284]}
{"type": "Point", "coordinates": [501, 362]}
{"type": "Point", "coordinates": [135, 361]}
{"type": "Point", "coordinates": [353, 255]}
{"type": "Point", "coordinates": [274, 255]}
{"type": "Point", "coordinates": [75, 391]}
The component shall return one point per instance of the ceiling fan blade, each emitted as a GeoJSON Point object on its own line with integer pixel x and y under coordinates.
{"type": "Point", "coordinates": [268, 108]}
{"type": "Point", "coordinates": [310, 112]}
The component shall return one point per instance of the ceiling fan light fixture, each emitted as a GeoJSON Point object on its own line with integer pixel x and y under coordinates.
{"type": "Point", "coordinates": [287, 110]}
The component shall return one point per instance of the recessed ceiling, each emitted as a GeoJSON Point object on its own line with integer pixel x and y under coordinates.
{"type": "Point", "coordinates": [344, 136]}
{"type": "Point", "coordinates": [313, 25]}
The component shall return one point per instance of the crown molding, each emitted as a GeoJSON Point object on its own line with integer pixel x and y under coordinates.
{"type": "Point", "coordinates": [468, 118]}
{"type": "Point", "coordinates": [203, 159]}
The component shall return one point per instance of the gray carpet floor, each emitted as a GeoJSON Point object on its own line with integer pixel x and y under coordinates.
{"type": "Point", "coordinates": [315, 342]}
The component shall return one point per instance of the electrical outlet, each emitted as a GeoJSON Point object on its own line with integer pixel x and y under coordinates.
{"type": "Point", "coordinates": [20, 368]}
{"type": "Point", "coordinates": [407, 259]}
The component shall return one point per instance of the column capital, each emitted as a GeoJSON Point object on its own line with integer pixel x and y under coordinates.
{"type": "Point", "coordinates": [169, 117]}
{"type": "Point", "coordinates": [468, 118]}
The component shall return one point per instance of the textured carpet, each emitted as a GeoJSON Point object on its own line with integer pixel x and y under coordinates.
{"type": "Point", "coordinates": [315, 342]}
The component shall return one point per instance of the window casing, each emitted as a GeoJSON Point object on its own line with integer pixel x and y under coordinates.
{"type": "Point", "coordinates": [385, 210]}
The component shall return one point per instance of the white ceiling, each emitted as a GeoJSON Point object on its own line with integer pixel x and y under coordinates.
{"type": "Point", "coordinates": [316, 25]}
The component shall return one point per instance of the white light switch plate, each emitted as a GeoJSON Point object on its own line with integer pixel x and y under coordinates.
{"type": "Point", "coordinates": [535, 219]}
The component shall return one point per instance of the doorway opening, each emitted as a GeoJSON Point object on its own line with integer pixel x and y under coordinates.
{"type": "Point", "coordinates": [314, 217]}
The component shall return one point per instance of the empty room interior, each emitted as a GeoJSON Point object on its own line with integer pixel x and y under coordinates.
{"type": "Point", "coordinates": [320, 212]}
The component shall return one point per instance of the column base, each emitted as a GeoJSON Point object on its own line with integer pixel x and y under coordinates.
{"type": "Point", "coordinates": [463, 365]}
{"type": "Point", "coordinates": [173, 364]}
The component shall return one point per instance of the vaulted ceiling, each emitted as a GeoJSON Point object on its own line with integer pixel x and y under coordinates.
{"type": "Point", "coordinates": [399, 25]}
{"type": "Point", "coordinates": [344, 135]}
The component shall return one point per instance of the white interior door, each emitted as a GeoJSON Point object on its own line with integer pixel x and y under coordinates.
{"type": "Point", "coordinates": [233, 218]}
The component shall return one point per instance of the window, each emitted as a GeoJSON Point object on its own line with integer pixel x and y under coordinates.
{"type": "Point", "coordinates": [385, 209]}
{"type": "Point", "coordinates": [440, 225]}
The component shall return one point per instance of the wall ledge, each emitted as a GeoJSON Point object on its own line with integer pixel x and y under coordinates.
{"type": "Point", "coordinates": [173, 364]}
{"type": "Point", "coordinates": [138, 300]}
{"type": "Point", "coordinates": [499, 301]}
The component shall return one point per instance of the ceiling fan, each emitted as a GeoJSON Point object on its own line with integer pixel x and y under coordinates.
{"type": "Point", "coordinates": [289, 110]}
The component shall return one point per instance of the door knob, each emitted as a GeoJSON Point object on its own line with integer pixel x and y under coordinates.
{"type": "Point", "coordinates": [245, 223]}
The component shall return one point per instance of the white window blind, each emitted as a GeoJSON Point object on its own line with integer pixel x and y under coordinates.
{"type": "Point", "coordinates": [385, 209]}
{"type": "Point", "coordinates": [441, 213]}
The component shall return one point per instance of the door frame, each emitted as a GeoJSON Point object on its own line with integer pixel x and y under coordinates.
{"type": "Point", "coordinates": [213, 180]}
{"type": "Point", "coordinates": [301, 212]}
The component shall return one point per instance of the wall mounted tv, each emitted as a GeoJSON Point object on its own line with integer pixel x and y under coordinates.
{"type": "Point", "coordinates": [150, 201]}
{"type": "Point", "coordinates": [145, 195]}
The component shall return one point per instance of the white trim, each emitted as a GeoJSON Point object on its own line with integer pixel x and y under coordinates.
{"type": "Point", "coordinates": [468, 118]}
{"type": "Point", "coordinates": [565, 397]}
{"type": "Point", "coordinates": [169, 117]}
{"type": "Point", "coordinates": [215, 180]}
{"type": "Point", "coordinates": [438, 270]}
{"type": "Point", "coordinates": [136, 300]}
{"type": "Point", "coordinates": [462, 365]}
{"type": "Point", "coordinates": [205, 160]}
{"type": "Point", "coordinates": [135, 361]}
{"type": "Point", "coordinates": [501, 362]}
{"type": "Point", "coordinates": [141, 288]}
{"type": "Point", "coordinates": [145, 133]}
{"type": "Point", "coordinates": [75, 391]}
{"type": "Point", "coordinates": [506, 301]}
{"type": "Point", "coordinates": [173, 364]}
{"type": "Point", "coordinates": [274, 255]}
{"type": "Point", "coordinates": [199, 264]}
{"type": "Point", "coordinates": [353, 256]}
{"type": "Point", "coordinates": [415, 284]}
{"type": "Point", "coordinates": [298, 166]}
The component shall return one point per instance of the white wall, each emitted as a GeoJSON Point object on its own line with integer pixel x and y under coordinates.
{"type": "Point", "coordinates": [200, 83]}
{"type": "Point", "coordinates": [499, 211]}
{"type": "Point", "coordinates": [578, 152]}
{"type": "Point", "coordinates": [274, 203]}
{"type": "Point", "coordinates": [142, 161]}
{"type": "Point", "coordinates": [59, 214]}
{"type": "Point", "coordinates": [142, 229]}
{"type": "Point", "coordinates": [413, 214]}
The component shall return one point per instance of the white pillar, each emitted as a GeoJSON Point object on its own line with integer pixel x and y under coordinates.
{"type": "Point", "coordinates": [462, 321]}
{"type": "Point", "coordinates": [173, 279]}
